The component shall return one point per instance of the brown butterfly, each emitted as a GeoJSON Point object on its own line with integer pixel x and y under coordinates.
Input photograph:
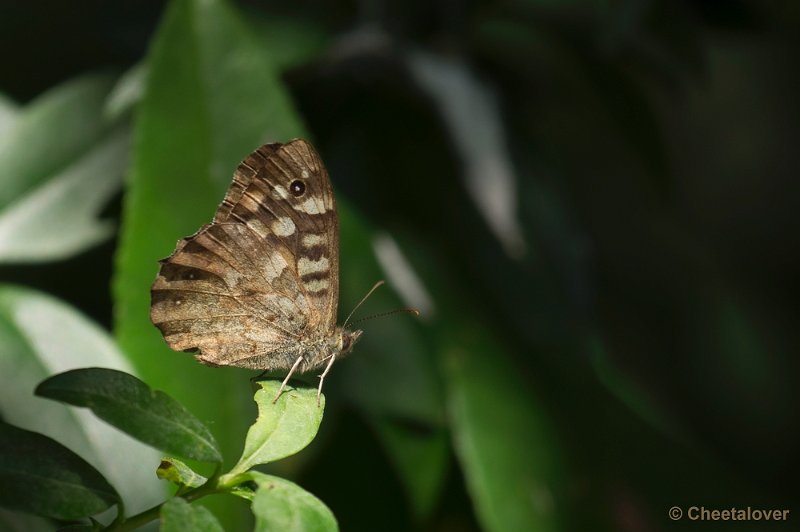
{"type": "Point", "coordinates": [258, 287]}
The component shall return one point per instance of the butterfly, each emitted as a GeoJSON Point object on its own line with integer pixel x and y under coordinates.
{"type": "Point", "coordinates": [258, 287]}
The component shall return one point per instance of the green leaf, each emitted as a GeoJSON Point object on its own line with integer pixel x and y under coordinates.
{"type": "Point", "coordinates": [283, 428]}
{"type": "Point", "coordinates": [127, 403]}
{"type": "Point", "coordinates": [392, 374]}
{"type": "Point", "coordinates": [177, 472]}
{"type": "Point", "coordinates": [12, 521]}
{"type": "Point", "coordinates": [502, 437]}
{"type": "Point", "coordinates": [127, 92]}
{"type": "Point", "coordinates": [282, 505]}
{"type": "Point", "coordinates": [9, 111]}
{"type": "Point", "coordinates": [177, 515]}
{"type": "Point", "coordinates": [39, 336]}
{"type": "Point", "coordinates": [211, 95]}
{"type": "Point", "coordinates": [290, 41]}
{"type": "Point", "coordinates": [421, 458]}
{"type": "Point", "coordinates": [634, 396]}
{"type": "Point", "coordinates": [80, 527]}
{"type": "Point", "coordinates": [58, 219]}
{"type": "Point", "coordinates": [45, 169]}
{"type": "Point", "coordinates": [39, 475]}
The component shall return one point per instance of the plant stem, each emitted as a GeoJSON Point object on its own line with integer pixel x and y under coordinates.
{"type": "Point", "coordinates": [142, 518]}
{"type": "Point", "coordinates": [137, 520]}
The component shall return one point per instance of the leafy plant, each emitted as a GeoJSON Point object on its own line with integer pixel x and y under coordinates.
{"type": "Point", "coordinates": [587, 200]}
{"type": "Point", "coordinates": [43, 477]}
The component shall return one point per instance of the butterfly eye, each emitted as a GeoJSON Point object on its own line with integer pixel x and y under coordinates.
{"type": "Point", "coordinates": [297, 188]}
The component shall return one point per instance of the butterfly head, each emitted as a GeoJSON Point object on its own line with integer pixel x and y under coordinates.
{"type": "Point", "coordinates": [347, 339]}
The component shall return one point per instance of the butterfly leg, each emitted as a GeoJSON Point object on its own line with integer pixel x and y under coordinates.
{"type": "Point", "coordinates": [286, 380]}
{"type": "Point", "coordinates": [322, 377]}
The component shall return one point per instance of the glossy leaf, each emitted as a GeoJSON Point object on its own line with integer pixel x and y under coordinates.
{"type": "Point", "coordinates": [282, 505]}
{"type": "Point", "coordinates": [282, 428]}
{"type": "Point", "coordinates": [127, 92]}
{"type": "Point", "coordinates": [40, 476]}
{"type": "Point", "coordinates": [177, 515]}
{"type": "Point", "coordinates": [58, 219]}
{"type": "Point", "coordinates": [210, 97]}
{"type": "Point", "coordinates": [56, 184]}
{"type": "Point", "coordinates": [127, 403]}
{"type": "Point", "coordinates": [40, 336]}
{"type": "Point", "coordinates": [177, 472]}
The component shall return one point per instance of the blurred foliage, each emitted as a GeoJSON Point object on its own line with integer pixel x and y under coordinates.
{"type": "Point", "coordinates": [640, 354]}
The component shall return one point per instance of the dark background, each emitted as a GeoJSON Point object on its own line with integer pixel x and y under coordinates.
{"type": "Point", "coordinates": [654, 143]}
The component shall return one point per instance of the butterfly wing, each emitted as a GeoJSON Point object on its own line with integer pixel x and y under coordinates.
{"type": "Point", "coordinates": [248, 288]}
{"type": "Point", "coordinates": [303, 217]}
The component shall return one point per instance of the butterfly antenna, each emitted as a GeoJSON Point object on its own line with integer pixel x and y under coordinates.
{"type": "Point", "coordinates": [413, 311]}
{"type": "Point", "coordinates": [375, 287]}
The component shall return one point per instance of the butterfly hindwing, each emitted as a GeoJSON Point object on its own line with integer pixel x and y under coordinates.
{"type": "Point", "coordinates": [245, 289]}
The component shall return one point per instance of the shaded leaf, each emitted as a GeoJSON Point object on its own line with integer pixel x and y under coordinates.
{"type": "Point", "coordinates": [392, 375]}
{"type": "Point", "coordinates": [177, 515]}
{"type": "Point", "coordinates": [40, 336]}
{"type": "Point", "coordinates": [503, 439]}
{"type": "Point", "coordinates": [12, 521]}
{"type": "Point", "coordinates": [282, 428]}
{"type": "Point", "coordinates": [40, 476]}
{"type": "Point", "coordinates": [389, 348]}
{"type": "Point", "coordinates": [289, 41]}
{"type": "Point", "coordinates": [127, 403]}
{"type": "Point", "coordinates": [177, 472]}
{"type": "Point", "coordinates": [282, 505]}
{"type": "Point", "coordinates": [81, 527]}
{"type": "Point", "coordinates": [421, 456]}
{"type": "Point", "coordinates": [633, 395]}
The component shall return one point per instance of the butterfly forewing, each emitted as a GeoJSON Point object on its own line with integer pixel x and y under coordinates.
{"type": "Point", "coordinates": [263, 275]}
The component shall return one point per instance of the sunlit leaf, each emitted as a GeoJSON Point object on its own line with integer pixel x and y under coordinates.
{"type": "Point", "coordinates": [151, 416]}
{"type": "Point", "coordinates": [54, 184]}
{"type": "Point", "coordinates": [36, 147]}
{"type": "Point", "coordinates": [211, 96]}
{"type": "Point", "coordinates": [40, 336]}
{"type": "Point", "coordinates": [8, 114]}
{"type": "Point", "coordinates": [177, 472]}
{"type": "Point", "coordinates": [59, 218]}
{"type": "Point", "coordinates": [282, 428]}
{"type": "Point", "coordinates": [127, 92]}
